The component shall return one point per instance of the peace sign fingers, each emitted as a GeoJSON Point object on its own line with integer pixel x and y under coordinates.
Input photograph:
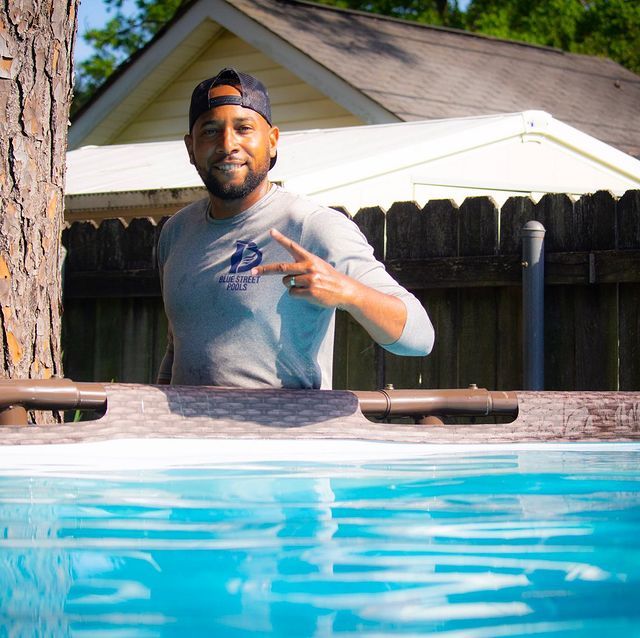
{"type": "Point", "coordinates": [308, 276]}
{"type": "Point", "coordinates": [302, 264]}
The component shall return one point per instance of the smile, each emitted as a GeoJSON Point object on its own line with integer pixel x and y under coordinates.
{"type": "Point", "coordinates": [228, 168]}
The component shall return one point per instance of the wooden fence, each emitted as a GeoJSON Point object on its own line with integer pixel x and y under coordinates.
{"type": "Point", "coordinates": [462, 262]}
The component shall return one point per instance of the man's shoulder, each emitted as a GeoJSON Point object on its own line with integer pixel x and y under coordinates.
{"type": "Point", "coordinates": [186, 214]}
{"type": "Point", "coordinates": [324, 231]}
{"type": "Point", "coordinates": [303, 206]}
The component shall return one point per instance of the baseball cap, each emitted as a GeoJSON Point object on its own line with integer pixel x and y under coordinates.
{"type": "Point", "coordinates": [253, 95]}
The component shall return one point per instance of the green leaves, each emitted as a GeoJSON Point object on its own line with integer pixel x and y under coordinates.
{"type": "Point", "coordinates": [611, 28]}
{"type": "Point", "coordinates": [596, 27]}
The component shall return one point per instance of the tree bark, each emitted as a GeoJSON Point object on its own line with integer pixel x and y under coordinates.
{"type": "Point", "coordinates": [36, 82]}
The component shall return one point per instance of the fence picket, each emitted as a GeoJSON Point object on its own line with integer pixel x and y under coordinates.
{"type": "Point", "coordinates": [440, 221]}
{"type": "Point", "coordinates": [405, 231]}
{"type": "Point", "coordinates": [371, 222]}
{"type": "Point", "coordinates": [628, 210]}
{"type": "Point", "coordinates": [111, 241]}
{"type": "Point", "coordinates": [78, 339]}
{"type": "Point", "coordinates": [514, 214]}
{"type": "Point", "coordinates": [478, 227]}
{"type": "Point", "coordinates": [80, 238]}
{"type": "Point", "coordinates": [555, 213]}
{"type": "Point", "coordinates": [596, 312]}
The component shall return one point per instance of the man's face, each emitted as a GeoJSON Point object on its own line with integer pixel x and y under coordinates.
{"type": "Point", "coordinates": [231, 148]}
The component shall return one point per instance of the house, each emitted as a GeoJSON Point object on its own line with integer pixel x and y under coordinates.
{"type": "Point", "coordinates": [372, 109]}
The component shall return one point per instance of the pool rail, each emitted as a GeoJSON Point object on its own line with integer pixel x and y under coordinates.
{"type": "Point", "coordinates": [18, 396]}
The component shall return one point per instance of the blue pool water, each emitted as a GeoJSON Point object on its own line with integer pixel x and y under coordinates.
{"type": "Point", "coordinates": [471, 544]}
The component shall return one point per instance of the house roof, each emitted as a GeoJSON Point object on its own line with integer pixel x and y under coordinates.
{"type": "Point", "coordinates": [422, 72]}
{"type": "Point", "coordinates": [406, 71]}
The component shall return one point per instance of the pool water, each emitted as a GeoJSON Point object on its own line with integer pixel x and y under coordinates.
{"type": "Point", "coordinates": [469, 543]}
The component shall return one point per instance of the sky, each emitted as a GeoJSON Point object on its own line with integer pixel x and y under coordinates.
{"type": "Point", "coordinates": [92, 13]}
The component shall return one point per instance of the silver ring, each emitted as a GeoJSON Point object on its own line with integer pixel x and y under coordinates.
{"type": "Point", "coordinates": [292, 282]}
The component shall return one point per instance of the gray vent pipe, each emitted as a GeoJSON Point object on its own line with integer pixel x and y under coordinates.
{"type": "Point", "coordinates": [533, 305]}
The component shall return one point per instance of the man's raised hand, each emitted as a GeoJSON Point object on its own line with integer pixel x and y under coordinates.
{"type": "Point", "coordinates": [309, 277]}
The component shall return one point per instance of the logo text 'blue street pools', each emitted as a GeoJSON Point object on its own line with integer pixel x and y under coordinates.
{"type": "Point", "coordinates": [246, 257]}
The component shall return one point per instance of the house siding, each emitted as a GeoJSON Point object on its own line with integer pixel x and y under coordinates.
{"type": "Point", "coordinates": [296, 105]}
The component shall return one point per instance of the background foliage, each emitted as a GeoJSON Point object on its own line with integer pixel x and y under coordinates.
{"type": "Point", "coordinates": [119, 39]}
{"type": "Point", "coordinates": [597, 27]}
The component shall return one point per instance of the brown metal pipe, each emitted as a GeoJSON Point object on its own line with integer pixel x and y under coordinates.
{"type": "Point", "coordinates": [463, 402]}
{"type": "Point", "coordinates": [50, 394]}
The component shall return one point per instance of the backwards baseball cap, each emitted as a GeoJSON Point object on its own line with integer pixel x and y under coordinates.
{"type": "Point", "coordinates": [253, 95]}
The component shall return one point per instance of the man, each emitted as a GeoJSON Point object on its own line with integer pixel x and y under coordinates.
{"type": "Point", "coordinates": [251, 276]}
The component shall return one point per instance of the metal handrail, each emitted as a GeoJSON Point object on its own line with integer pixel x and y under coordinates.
{"type": "Point", "coordinates": [470, 401]}
{"type": "Point", "coordinates": [19, 395]}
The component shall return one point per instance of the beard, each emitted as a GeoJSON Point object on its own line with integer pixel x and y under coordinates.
{"type": "Point", "coordinates": [228, 191]}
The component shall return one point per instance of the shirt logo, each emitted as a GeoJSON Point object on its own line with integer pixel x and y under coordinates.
{"type": "Point", "coordinates": [246, 257]}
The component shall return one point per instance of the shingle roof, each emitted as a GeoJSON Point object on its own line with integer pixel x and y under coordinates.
{"type": "Point", "coordinates": [418, 71]}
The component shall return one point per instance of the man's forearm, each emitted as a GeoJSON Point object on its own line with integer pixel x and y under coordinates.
{"type": "Point", "coordinates": [382, 316]}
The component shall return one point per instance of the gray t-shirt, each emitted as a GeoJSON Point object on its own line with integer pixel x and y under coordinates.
{"type": "Point", "coordinates": [229, 328]}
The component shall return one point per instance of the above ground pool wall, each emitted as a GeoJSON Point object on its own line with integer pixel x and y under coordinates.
{"type": "Point", "coordinates": [139, 411]}
{"type": "Point", "coordinates": [464, 263]}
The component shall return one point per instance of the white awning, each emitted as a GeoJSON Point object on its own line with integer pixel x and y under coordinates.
{"type": "Point", "coordinates": [498, 155]}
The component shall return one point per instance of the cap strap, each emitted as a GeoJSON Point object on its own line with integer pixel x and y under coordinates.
{"type": "Point", "coordinates": [223, 100]}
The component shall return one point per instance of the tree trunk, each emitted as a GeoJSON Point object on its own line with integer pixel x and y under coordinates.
{"type": "Point", "coordinates": [36, 77]}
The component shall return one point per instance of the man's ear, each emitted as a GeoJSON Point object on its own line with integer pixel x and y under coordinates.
{"type": "Point", "coordinates": [274, 136]}
{"type": "Point", "coordinates": [188, 142]}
